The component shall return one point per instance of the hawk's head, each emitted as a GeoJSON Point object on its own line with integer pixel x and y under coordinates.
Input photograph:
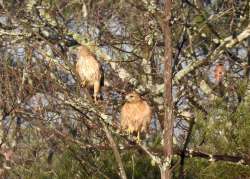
{"type": "Point", "coordinates": [133, 97]}
{"type": "Point", "coordinates": [83, 51]}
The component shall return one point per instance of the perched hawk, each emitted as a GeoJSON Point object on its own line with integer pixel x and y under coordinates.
{"type": "Point", "coordinates": [219, 72]}
{"type": "Point", "coordinates": [89, 70]}
{"type": "Point", "coordinates": [136, 114]}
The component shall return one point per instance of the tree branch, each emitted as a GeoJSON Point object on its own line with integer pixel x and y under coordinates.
{"type": "Point", "coordinates": [228, 42]}
{"type": "Point", "coordinates": [116, 152]}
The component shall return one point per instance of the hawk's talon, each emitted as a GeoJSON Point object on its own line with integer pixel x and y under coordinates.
{"type": "Point", "coordinates": [129, 131]}
{"type": "Point", "coordinates": [138, 140]}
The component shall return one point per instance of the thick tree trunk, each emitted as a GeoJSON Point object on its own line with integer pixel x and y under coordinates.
{"type": "Point", "coordinates": [166, 172]}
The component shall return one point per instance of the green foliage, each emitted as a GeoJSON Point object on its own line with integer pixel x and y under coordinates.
{"type": "Point", "coordinates": [140, 167]}
{"type": "Point", "coordinates": [76, 163]}
{"type": "Point", "coordinates": [202, 169]}
{"type": "Point", "coordinates": [221, 132]}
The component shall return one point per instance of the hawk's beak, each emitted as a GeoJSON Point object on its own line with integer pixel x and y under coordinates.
{"type": "Point", "coordinates": [74, 49]}
{"type": "Point", "coordinates": [126, 98]}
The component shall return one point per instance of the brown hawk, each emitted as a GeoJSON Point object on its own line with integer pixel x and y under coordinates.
{"type": "Point", "coordinates": [219, 72]}
{"type": "Point", "coordinates": [136, 114]}
{"type": "Point", "coordinates": [89, 70]}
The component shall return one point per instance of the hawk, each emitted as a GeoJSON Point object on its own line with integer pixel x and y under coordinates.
{"type": "Point", "coordinates": [219, 72]}
{"type": "Point", "coordinates": [136, 114]}
{"type": "Point", "coordinates": [89, 70]}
